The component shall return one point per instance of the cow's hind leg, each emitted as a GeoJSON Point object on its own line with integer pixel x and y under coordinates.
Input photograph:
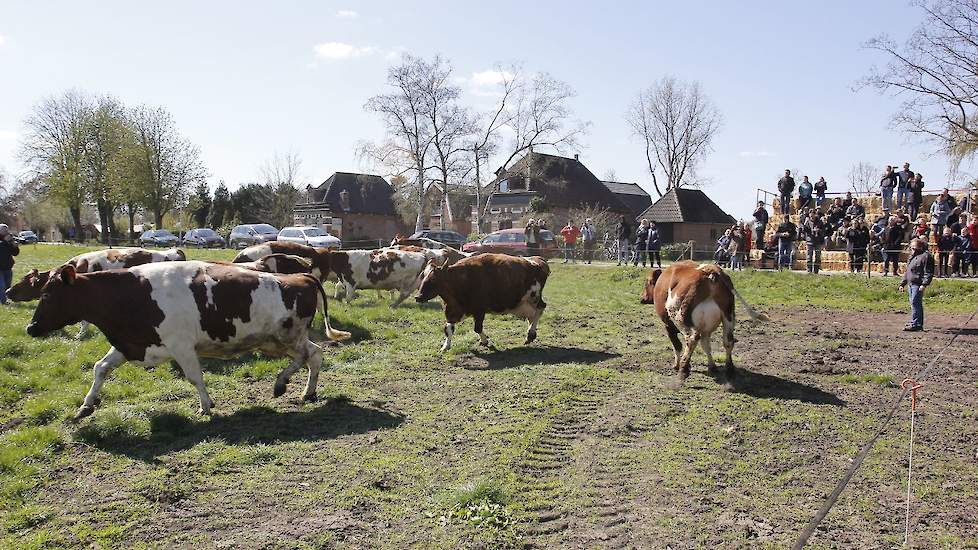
{"type": "Point", "coordinates": [479, 319]}
{"type": "Point", "coordinates": [728, 345]}
{"type": "Point", "coordinates": [708, 350]}
{"type": "Point", "coordinates": [190, 365]}
{"type": "Point", "coordinates": [103, 367]}
{"type": "Point", "coordinates": [315, 363]}
{"type": "Point", "coordinates": [403, 296]}
{"type": "Point", "coordinates": [299, 357]}
{"type": "Point", "coordinates": [688, 346]}
{"type": "Point", "coordinates": [677, 345]}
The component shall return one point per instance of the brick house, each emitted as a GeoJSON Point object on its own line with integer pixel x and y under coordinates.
{"type": "Point", "coordinates": [561, 183]}
{"type": "Point", "coordinates": [684, 215]}
{"type": "Point", "coordinates": [354, 207]}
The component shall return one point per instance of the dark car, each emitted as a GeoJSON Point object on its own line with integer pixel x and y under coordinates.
{"type": "Point", "coordinates": [243, 236]}
{"type": "Point", "coordinates": [513, 242]}
{"type": "Point", "coordinates": [27, 237]}
{"type": "Point", "coordinates": [158, 237]}
{"type": "Point", "coordinates": [449, 238]}
{"type": "Point", "coordinates": [203, 238]}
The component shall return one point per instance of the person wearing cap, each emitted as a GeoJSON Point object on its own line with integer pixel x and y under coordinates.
{"type": "Point", "coordinates": [8, 249]}
{"type": "Point", "coordinates": [920, 273]}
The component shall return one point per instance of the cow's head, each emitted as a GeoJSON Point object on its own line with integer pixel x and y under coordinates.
{"type": "Point", "coordinates": [429, 282]}
{"type": "Point", "coordinates": [56, 309]}
{"type": "Point", "coordinates": [28, 288]}
{"type": "Point", "coordinates": [648, 295]}
{"type": "Point", "coordinates": [175, 255]}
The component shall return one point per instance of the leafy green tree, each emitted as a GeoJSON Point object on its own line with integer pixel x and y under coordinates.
{"type": "Point", "coordinates": [105, 146]}
{"type": "Point", "coordinates": [200, 204]}
{"type": "Point", "coordinates": [220, 206]}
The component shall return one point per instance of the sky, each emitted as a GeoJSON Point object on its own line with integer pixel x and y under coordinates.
{"type": "Point", "coordinates": [246, 80]}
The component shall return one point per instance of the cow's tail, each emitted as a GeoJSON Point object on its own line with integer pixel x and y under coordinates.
{"type": "Point", "coordinates": [331, 333]}
{"type": "Point", "coordinates": [725, 279]}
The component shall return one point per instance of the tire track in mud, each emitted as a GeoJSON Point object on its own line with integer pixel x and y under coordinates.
{"type": "Point", "coordinates": [551, 461]}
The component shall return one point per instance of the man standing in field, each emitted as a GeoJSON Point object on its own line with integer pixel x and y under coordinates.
{"type": "Point", "coordinates": [904, 178]}
{"type": "Point", "coordinates": [589, 237]}
{"type": "Point", "coordinates": [570, 234]}
{"type": "Point", "coordinates": [920, 272]}
{"type": "Point", "coordinates": [786, 234]}
{"type": "Point", "coordinates": [760, 223]}
{"type": "Point", "coordinates": [8, 249]}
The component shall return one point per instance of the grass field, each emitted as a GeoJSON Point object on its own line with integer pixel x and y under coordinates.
{"type": "Point", "coordinates": [574, 441]}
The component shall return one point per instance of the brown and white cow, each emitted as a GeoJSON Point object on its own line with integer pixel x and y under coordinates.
{"type": "Point", "coordinates": [277, 263]}
{"type": "Point", "coordinates": [318, 257]}
{"type": "Point", "coordinates": [487, 283]}
{"type": "Point", "coordinates": [381, 269]}
{"type": "Point", "coordinates": [692, 301]}
{"type": "Point", "coordinates": [29, 288]}
{"type": "Point", "coordinates": [184, 310]}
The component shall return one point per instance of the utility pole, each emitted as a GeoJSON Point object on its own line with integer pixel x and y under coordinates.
{"type": "Point", "coordinates": [478, 191]}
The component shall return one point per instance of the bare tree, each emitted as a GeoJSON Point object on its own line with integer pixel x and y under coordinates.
{"type": "Point", "coordinates": [487, 126]}
{"type": "Point", "coordinates": [610, 175]}
{"type": "Point", "coordinates": [677, 123]}
{"type": "Point", "coordinates": [936, 73]}
{"type": "Point", "coordinates": [404, 151]}
{"type": "Point", "coordinates": [166, 165]}
{"type": "Point", "coordinates": [864, 177]}
{"type": "Point", "coordinates": [281, 173]}
{"type": "Point", "coordinates": [539, 117]}
{"type": "Point", "coordinates": [54, 149]}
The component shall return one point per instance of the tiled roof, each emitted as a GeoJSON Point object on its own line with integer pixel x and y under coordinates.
{"type": "Point", "coordinates": [686, 205]}
{"type": "Point", "coordinates": [562, 182]}
{"type": "Point", "coordinates": [368, 194]}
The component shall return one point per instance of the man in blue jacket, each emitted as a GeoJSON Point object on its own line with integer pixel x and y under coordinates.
{"type": "Point", "coordinates": [920, 272]}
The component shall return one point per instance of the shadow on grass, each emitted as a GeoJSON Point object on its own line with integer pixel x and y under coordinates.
{"type": "Point", "coordinates": [532, 355]}
{"type": "Point", "coordinates": [170, 431]}
{"type": "Point", "coordinates": [760, 385]}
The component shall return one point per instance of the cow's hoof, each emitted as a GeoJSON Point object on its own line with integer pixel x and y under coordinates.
{"type": "Point", "coordinates": [310, 398]}
{"type": "Point", "coordinates": [278, 390]}
{"type": "Point", "coordinates": [83, 411]}
{"type": "Point", "coordinates": [531, 336]}
{"type": "Point", "coordinates": [201, 411]}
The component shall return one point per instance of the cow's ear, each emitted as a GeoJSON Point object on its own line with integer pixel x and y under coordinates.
{"type": "Point", "coordinates": [656, 273]}
{"type": "Point", "coordinates": [68, 274]}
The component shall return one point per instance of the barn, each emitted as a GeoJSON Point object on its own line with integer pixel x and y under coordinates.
{"type": "Point", "coordinates": [684, 215]}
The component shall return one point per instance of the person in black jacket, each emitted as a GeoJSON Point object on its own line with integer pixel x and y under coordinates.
{"type": "Point", "coordinates": [858, 237]}
{"type": "Point", "coordinates": [760, 223]}
{"type": "Point", "coordinates": [920, 273]}
{"type": "Point", "coordinates": [641, 242]}
{"type": "Point", "coordinates": [786, 234]}
{"type": "Point", "coordinates": [945, 245]}
{"type": "Point", "coordinates": [813, 231]}
{"type": "Point", "coordinates": [916, 190]}
{"type": "Point", "coordinates": [892, 246]}
{"type": "Point", "coordinates": [786, 186]}
{"type": "Point", "coordinates": [821, 186]}
{"type": "Point", "coordinates": [8, 249]}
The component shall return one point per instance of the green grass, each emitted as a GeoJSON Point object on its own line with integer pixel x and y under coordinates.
{"type": "Point", "coordinates": [411, 448]}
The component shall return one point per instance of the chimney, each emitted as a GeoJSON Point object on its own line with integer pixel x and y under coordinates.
{"type": "Point", "coordinates": [577, 157]}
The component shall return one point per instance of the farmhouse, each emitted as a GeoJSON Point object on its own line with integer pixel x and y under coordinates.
{"type": "Point", "coordinates": [631, 195]}
{"type": "Point", "coordinates": [561, 184]}
{"type": "Point", "coordinates": [688, 215]}
{"type": "Point", "coordinates": [352, 206]}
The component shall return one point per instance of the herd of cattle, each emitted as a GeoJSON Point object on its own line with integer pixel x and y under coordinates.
{"type": "Point", "coordinates": [156, 306]}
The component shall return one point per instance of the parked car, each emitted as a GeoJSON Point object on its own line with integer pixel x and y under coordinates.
{"type": "Point", "coordinates": [27, 237]}
{"type": "Point", "coordinates": [449, 238]}
{"type": "Point", "coordinates": [202, 238]}
{"type": "Point", "coordinates": [306, 234]}
{"type": "Point", "coordinates": [158, 237]}
{"type": "Point", "coordinates": [512, 241]}
{"type": "Point", "coordinates": [243, 236]}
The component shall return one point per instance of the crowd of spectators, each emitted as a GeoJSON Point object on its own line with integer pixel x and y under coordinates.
{"type": "Point", "coordinates": [843, 225]}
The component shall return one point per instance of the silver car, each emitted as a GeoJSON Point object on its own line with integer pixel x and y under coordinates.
{"type": "Point", "coordinates": [312, 236]}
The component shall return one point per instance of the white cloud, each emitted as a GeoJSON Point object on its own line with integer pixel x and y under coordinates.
{"type": "Point", "coordinates": [8, 135]}
{"type": "Point", "coordinates": [347, 14]}
{"type": "Point", "coordinates": [337, 51]}
{"type": "Point", "coordinates": [3, 40]}
{"type": "Point", "coordinates": [755, 154]}
{"type": "Point", "coordinates": [490, 78]}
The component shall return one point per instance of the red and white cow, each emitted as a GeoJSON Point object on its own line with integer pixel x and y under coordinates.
{"type": "Point", "coordinates": [179, 311]}
{"type": "Point", "coordinates": [318, 257]}
{"type": "Point", "coordinates": [29, 288]}
{"type": "Point", "coordinates": [277, 263]}
{"type": "Point", "coordinates": [382, 269]}
{"type": "Point", "coordinates": [692, 301]}
{"type": "Point", "coordinates": [487, 283]}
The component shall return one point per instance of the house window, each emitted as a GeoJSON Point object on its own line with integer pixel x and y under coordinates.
{"type": "Point", "coordinates": [504, 186]}
{"type": "Point", "coordinates": [495, 210]}
{"type": "Point", "coordinates": [516, 210]}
